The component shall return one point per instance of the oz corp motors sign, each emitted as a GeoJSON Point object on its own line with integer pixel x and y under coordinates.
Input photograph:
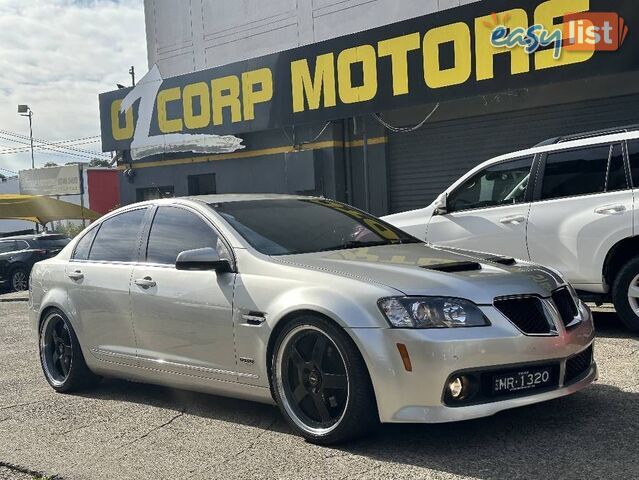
{"type": "Point", "coordinates": [482, 48]}
{"type": "Point", "coordinates": [51, 181]}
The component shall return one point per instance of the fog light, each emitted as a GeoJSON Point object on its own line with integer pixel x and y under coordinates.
{"type": "Point", "coordinates": [456, 388]}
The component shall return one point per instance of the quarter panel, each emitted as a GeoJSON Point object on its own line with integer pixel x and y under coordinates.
{"type": "Point", "coordinates": [282, 290]}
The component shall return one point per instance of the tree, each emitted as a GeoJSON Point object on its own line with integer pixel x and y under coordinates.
{"type": "Point", "coordinates": [100, 162]}
{"type": "Point", "coordinates": [50, 164]}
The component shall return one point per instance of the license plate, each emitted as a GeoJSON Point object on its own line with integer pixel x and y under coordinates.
{"type": "Point", "coordinates": [524, 380]}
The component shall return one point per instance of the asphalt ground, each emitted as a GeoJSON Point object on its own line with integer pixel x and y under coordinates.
{"type": "Point", "coordinates": [124, 430]}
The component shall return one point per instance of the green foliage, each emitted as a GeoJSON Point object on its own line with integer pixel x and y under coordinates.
{"type": "Point", "coordinates": [99, 162]}
{"type": "Point", "coordinates": [70, 230]}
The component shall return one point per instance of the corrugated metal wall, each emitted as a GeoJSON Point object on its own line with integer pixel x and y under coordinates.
{"type": "Point", "coordinates": [424, 163]}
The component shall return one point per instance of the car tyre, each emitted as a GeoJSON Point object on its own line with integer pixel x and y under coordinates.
{"type": "Point", "coordinates": [19, 279]}
{"type": "Point", "coordinates": [625, 294]}
{"type": "Point", "coordinates": [61, 357]}
{"type": "Point", "coordinates": [321, 382]}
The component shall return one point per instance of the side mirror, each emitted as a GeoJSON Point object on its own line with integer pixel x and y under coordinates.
{"type": "Point", "coordinates": [202, 259]}
{"type": "Point", "coordinates": [441, 205]}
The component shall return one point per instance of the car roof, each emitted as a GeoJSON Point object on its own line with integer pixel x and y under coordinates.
{"type": "Point", "coordinates": [229, 198]}
{"type": "Point", "coordinates": [554, 147]}
{"type": "Point", "coordinates": [42, 236]}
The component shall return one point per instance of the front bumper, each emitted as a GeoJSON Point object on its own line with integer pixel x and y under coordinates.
{"type": "Point", "coordinates": [418, 396]}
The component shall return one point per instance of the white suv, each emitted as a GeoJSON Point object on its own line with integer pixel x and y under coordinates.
{"type": "Point", "coordinates": [568, 203]}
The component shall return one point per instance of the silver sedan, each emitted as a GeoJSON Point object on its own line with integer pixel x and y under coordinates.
{"type": "Point", "coordinates": [337, 317]}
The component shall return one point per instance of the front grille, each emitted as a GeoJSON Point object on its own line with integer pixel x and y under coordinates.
{"type": "Point", "coordinates": [578, 365]}
{"type": "Point", "coordinates": [565, 305]}
{"type": "Point", "coordinates": [527, 313]}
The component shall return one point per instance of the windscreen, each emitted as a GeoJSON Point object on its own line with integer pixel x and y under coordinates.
{"type": "Point", "coordinates": [295, 226]}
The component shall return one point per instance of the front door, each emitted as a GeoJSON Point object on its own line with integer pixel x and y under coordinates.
{"type": "Point", "coordinates": [584, 207]}
{"type": "Point", "coordinates": [488, 212]}
{"type": "Point", "coordinates": [183, 319]}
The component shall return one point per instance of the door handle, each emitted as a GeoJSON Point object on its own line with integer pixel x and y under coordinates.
{"type": "Point", "coordinates": [76, 276]}
{"type": "Point", "coordinates": [146, 282]}
{"type": "Point", "coordinates": [514, 220]}
{"type": "Point", "coordinates": [610, 210]}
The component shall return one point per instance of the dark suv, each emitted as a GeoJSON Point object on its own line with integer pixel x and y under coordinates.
{"type": "Point", "coordinates": [19, 254]}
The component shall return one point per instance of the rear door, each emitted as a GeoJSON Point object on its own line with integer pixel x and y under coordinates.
{"type": "Point", "coordinates": [488, 212]}
{"type": "Point", "coordinates": [183, 320]}
{"type": "Point", "coordinates": [99, 275]}
{"type": "Point", "coordinates": [583, 207]}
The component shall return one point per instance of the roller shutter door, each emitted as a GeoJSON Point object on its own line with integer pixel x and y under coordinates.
{"type": "Point", "coordinates": [424, 163]}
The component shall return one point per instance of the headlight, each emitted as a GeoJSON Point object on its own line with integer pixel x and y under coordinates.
{"type": "Point", "coordinates": [432, 312]}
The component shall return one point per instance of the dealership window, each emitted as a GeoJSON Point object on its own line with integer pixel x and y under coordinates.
{"type": "Point", "coordinates": [176, 230]}
{"type": "Point", "coordinates": [202, 184]}
{"type": "Point", "coordinates": [502, 184]}
{"type": "Point", "coordinates": [154, 193]}
{"type": "Point", "coordinates": [583, 172]}
{"type": "Point", "coordinates": [117, 240]}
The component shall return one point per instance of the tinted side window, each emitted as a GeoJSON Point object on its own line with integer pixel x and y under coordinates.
{"type": "Point", "coordinates": [83, 247]}
{"type": "Point", "coordinates": [176, 230]}
{"type": "Point", "coordinates": [8, 246]}
{"type": "Point", "coordinates": [577, 172]}
{"type": "Point", "coordinates": [502, 184]}
{"type": "Point", "coordinates": [633, 152]}
{"type": "Point", "coordinates": [22, 245]}
{"type": "Point", "coordinates": [117, 239]}
{"type": "Point", "coordinates": [617, 179]}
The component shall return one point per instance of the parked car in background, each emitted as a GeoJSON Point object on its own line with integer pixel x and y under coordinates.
{"type": "Point", "coordinates": [19, 254]}
{"type": "Point", "coordinates": [569, 203]}
{"type": "Point", "coordinates": [339, 318]}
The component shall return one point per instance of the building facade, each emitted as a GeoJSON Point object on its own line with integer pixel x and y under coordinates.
{"type": "Point", "coordinates": [376, 151]}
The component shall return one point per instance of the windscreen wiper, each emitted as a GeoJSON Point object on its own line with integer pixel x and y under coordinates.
{"type": "Point", "coordinates": [354, 244]}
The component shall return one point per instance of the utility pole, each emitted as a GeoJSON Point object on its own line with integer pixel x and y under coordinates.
{"type": "Point", "coordinates": [132, 73]}
{"type": "Point", "coordinates": [25, 111]}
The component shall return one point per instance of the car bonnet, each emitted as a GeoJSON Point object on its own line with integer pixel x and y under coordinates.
{"type": "Point", "coordinates": [421, 269]}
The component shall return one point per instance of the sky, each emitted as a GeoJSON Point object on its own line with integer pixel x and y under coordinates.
{"type": "Point", "coordinates": [57, 56]}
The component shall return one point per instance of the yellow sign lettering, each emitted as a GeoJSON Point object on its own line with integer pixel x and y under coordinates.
{"type": "Point", "coordinates": [226, 94]}
{"type": "Point", "coordinates": [250, 97]}
{"type": "Point", "coordinates": [545, 15]}
{"type": "Point", "coordinates": [165, 124]}
{"type": "Point", "coordinates": [367, 56]}
{"type": "Point", "coordinates": [397, 49]}
{"type": "Point", "coordinates": [118, 131]}
{"type": "Point", "coordinates": [311, 90]}
{"type": "Point", "coordinates": [485, 52]}
{"type": "Point", "coordinates": [200, 93]}
{"type": "Point", "coordinates": [459, 35]}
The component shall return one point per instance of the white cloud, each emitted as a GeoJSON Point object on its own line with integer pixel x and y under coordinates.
{"type": "Point", "coordinates": [57, 56]}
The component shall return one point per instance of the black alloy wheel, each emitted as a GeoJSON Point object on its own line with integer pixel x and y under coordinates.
{"type": "Point", "coordinates": [321, 383]}
{"type": "Point", "coordinates": [61, 357]}
{"type": "Point", "coordinates": [315, 379]}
